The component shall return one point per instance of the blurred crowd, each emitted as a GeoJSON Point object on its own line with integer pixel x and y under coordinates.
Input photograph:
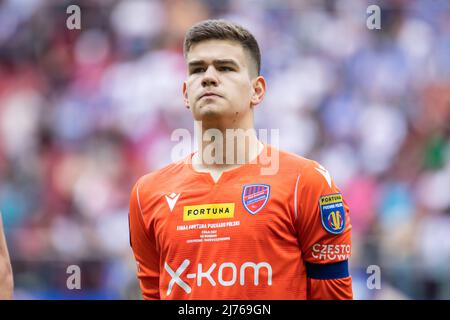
{"type": "Point", "coordinates": [84, 113]}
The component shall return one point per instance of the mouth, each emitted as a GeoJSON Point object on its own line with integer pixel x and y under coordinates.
{"type": "Point", "coordinates": [210, 95]}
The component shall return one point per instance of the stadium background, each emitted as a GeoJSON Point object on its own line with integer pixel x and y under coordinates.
{"type": "Point", "coordinates": [84, 113]}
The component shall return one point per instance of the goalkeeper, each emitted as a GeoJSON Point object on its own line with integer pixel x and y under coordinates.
{"type": "Point", "coordinates": [220, 229]}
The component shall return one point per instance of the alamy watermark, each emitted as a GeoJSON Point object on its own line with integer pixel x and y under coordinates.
{"type": "Point", "coordinates": [74, 20]}
{"type": "Point", "coordinates": [229, 147]}
{"type": "Point", "coordinates": [74, 280]}
{"type": "Point", "coordinates": [374, 280]}
{"type": "Point", "coordinates": [374, 19]}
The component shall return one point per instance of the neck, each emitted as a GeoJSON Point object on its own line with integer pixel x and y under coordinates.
{"type": "Point", "coordinates": [223, 147]}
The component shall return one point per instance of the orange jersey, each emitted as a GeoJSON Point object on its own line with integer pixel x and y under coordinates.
{"type": "Point", "coordinates": [246, 236]}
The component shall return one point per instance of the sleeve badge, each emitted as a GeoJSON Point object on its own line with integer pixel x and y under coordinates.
{"type": "Point", "coordinates": [332, 213]}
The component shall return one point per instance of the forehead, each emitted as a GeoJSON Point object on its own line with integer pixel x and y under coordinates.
{"type": "Point", "coordinates": [210, 50]}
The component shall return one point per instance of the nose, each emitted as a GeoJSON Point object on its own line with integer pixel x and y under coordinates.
{"type": "Point", "coordinates": [210, 77]}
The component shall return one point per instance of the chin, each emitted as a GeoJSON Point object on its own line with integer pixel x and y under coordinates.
{"type": "Point", "coordinates": [211, 111]}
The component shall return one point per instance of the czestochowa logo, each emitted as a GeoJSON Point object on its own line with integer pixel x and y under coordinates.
{"type": "Point", "coordinates": [208, 211]}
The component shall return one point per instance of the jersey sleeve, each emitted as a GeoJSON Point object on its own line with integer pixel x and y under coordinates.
{"type": "Point", "coordinates": [143, 244]}
{"type": "Point", "coordinates": [323, 226]}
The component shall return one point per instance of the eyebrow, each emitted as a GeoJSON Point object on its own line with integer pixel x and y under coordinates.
{"type": "Point", "coordinates": [195, 63]}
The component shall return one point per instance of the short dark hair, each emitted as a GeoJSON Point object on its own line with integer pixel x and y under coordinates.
{"type": "Point", "coordinates": [223, 30]}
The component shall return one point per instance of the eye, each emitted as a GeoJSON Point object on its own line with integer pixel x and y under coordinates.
{"type": "Point", "coordinates": [197, 70]}
{"type": "Point", "coordinates": [224, 68]}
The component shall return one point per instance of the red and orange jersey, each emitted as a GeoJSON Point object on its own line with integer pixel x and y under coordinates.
{"type": "Point", "coordinates": [246, 236]}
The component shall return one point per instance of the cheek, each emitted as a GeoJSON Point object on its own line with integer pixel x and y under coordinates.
{"type": "Point", "coordinates": [190, 91]}
{"type": "Point", "coordinates": [244, 91]}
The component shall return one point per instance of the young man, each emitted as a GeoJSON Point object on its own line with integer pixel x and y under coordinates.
{"type": "Point", "coordinates": [6, 277]}
{"type": "Point", "coordinates": [213, 227]}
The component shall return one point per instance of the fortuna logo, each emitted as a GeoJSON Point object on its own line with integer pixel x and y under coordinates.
{"type": "Point", "coordinates": [208, 211]}
{"type": "Point", "coordinates": [324, 172]}
{"type": "Point", "coordinates": [176, 275]}
{"type": "Point", "coordinates": [172, 199]}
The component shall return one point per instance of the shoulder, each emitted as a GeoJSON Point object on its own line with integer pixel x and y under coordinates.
{"type": "Point", "coordinates": [309, 171]}
{"type": "Point", "coordinates": [291, 161]}
{"type": "Point", "coordinates": [160, 176]}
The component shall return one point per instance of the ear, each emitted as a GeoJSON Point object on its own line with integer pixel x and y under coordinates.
{"type": "Point", "coordinates": [185, 96]}
{"type": "Point", "coordinates": [259, 90]}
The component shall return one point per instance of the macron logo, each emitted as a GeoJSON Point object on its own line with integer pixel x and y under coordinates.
{"type": "Point", "coordinates": [325, 174]}
{"type": "Point", "coordinates": [172, 199]}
